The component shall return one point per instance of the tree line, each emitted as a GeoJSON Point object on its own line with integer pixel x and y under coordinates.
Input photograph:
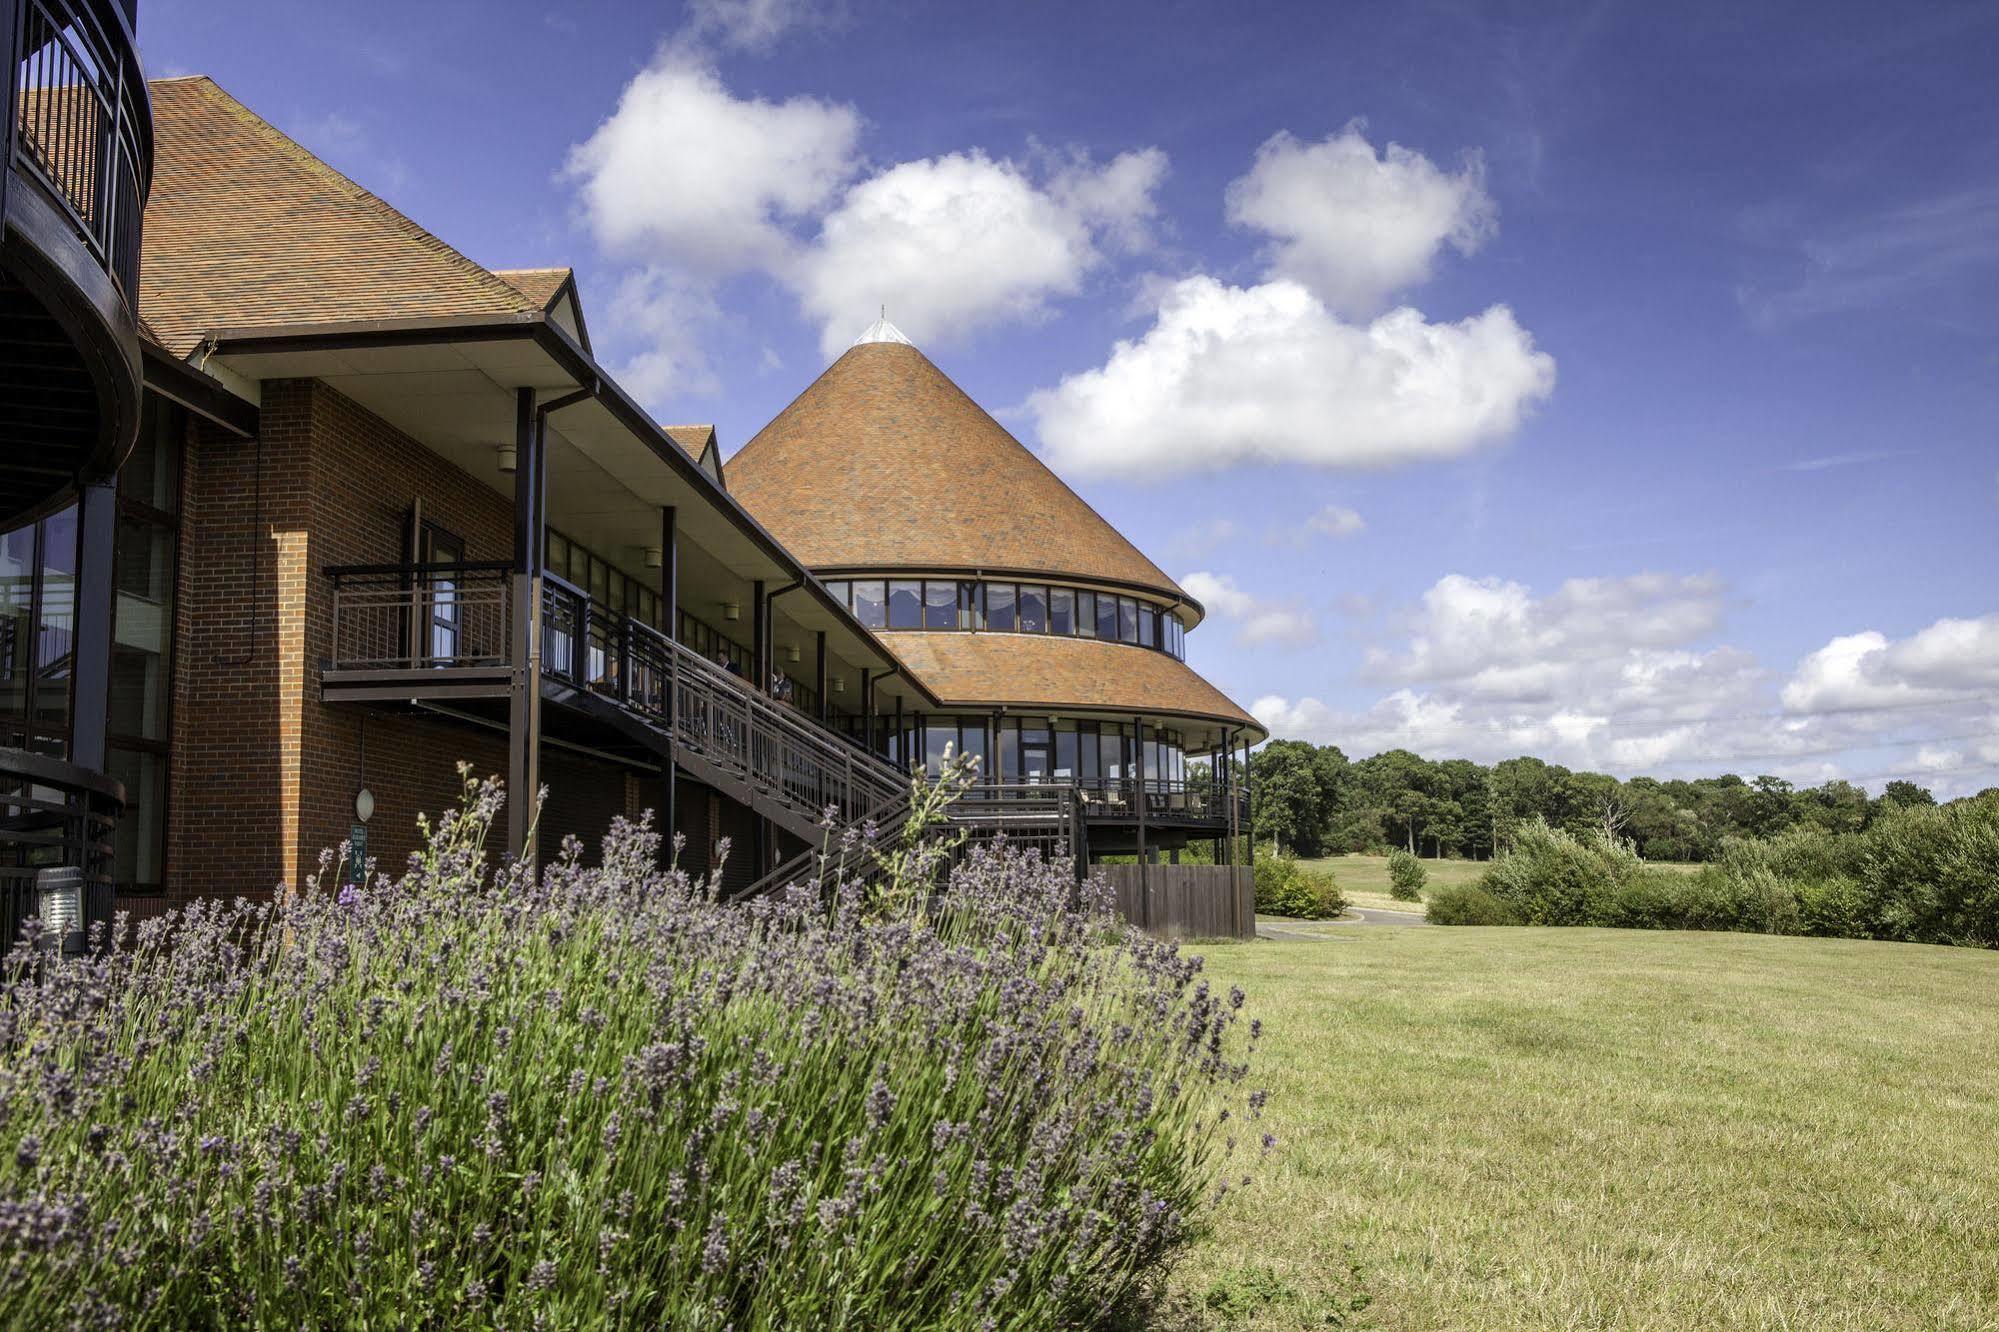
{"type": "Point", "coordinates": [1311, 800]}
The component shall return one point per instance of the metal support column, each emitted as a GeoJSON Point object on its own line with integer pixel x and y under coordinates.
{"type": "Point", "coordinates": [868, 710]}
{"type": "Point", "coordinates": [819, 679]}
{"type": "Point", "coordinates": [1144, 874]}
{"type": "Point", "coordinates": [90, 662]}
{"type": "Point", "coordinates": [524, 682]}
{"type": "Point", "coordinates": [759, 638]}
{"type": "Point", "coordinates": [669, 621]}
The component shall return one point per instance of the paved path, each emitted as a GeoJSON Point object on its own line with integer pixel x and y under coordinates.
{"type": "Point", "coordinates": [1331, 929]}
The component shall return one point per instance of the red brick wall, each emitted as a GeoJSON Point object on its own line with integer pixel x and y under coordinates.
{"type": "Point", "coordinates": [264, 774]}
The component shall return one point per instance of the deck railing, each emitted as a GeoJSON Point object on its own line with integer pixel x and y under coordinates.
{"type": "Point", "coordinates": [1167, 800]}
{"type": "Point", "coordinates": [392, 616]}
{"type": "Point", "coordinates": [58, 825]}
{"type": "Point", "coordinates": [710, 710]}
{"type": "Point", "coordinates": [81, 121]}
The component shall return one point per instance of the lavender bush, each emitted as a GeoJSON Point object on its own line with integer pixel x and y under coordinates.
{"type": "Point", "coordinates": [474, 1096]}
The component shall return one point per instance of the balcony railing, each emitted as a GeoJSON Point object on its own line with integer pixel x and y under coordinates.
{"type": "Point", "coordinates": [392, 616]}
{"type": "Point", "coordinates": [58, 823]}
{"type": "Point", "coordinates": [707, 709]}
{"type": "Point", "coordinates": [1167, 800]}
{"type": "Point", "coordinates": [82, 123]}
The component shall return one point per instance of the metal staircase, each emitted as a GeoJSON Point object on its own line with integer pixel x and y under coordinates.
{"type": "Point", "coordinates": [1044, 816]}
{"type": "Point", "coordinates": [769, 757]}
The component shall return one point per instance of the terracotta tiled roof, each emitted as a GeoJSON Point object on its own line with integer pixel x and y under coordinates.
{"type": "Point", "coordinates": [1045, 671]}
{"type": "Point", "coordinates": [885, 463]}
{"type": "Point", "coordinates": [244, 227]}
{"type": "Point", "coordinates": [695, 440]}
{"type": "Point", "coordinates": [537, 284]}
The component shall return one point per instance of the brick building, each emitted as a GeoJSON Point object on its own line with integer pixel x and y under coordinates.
{"type": "Point", "coordinates": [384, 513]}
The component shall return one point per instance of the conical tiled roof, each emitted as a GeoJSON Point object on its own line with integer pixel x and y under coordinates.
{"type": "Point", "coordinates": [885, 463]}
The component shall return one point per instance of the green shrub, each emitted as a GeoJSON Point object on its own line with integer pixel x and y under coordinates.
{"type": "Point", "coordinates": [1933, 874]}
{"type": "Point", "coordinates": [482, 1097]}
{"type": "Point", "coordinates": [1286, 888]}
{"type": "Point", "coordinates": [1467, 904]}
{"type": "Point", "coordinates": [1405, 877]}
{"type": "Point", "coordinates": [1923, 874]}
{"type": "Point", "coordinates": [1833, 908]}
{"type": "Point", "coordinates": [1552, 877]}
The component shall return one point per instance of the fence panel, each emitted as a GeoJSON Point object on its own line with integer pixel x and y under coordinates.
{"type": "Point", "coordinates": [1187, 901]}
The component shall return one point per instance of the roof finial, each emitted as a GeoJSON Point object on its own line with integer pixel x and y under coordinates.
{"type": "Point", "coordinates": [883, 331]}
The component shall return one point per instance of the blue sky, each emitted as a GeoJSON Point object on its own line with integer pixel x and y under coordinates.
{"type": "Point", "coordinates": [1615, 383]}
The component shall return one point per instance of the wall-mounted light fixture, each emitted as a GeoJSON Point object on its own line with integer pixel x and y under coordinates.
{"type": "Point", "coordinates": [791, 652]}
{"type": "Point", "coordinates": [839, 685]}
{"type": "Point", "coordinates": [732, 610]}
{"type": "Point", "coordinates": [655, 557]}
{"type": "Point", "coordinates": [508, 458]}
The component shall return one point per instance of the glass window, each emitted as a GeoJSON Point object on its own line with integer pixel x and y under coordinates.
{"type": "Point", "coordinates": [142, 630]}
{"type": "Point", "coordinates": [151, 474]}
{"type": "Point", "coordinates": [999, 605]}
{"type": "Point", "coordinates": [972, 740]}
{"type": "Point", "coordinates": [1036, 751]}
{"type": "Point", "coordinates": [937, 735]}
{"type": "Point", "coordinates": [1127, 620]}
{"type": "Point", "coordinates": [557, 553]}
{"type": "Point", "coordinates": [1033, 610]}
{"type": "Point", "coordinates": [17, 606]}
{"type": "Point", "coordinates": [1107, 618]}
{"type": "Point", "coordinates": [1061, 611]}
{"type": "Point", "coordinates": [1065, 752]}
{"type": "Point", "coordinates": [905, 605]}
{"type": "Point", "coordinates": [1086, 614]}
{"type": "Point", "coordinates": [1009, 742]}
{"type": "Point", "coordinates": [871, 603]}
{"type": "Point", "coordinates": [1148, 626]}
{"type": "Point", "coordinates": [57, 636]}
{"type": "Point", "coordinates": [1090, 763]}
{"type": "Point", "coordinates": [142, 834]}
{"type": "Point", "coordinates": [971, 606]}
{"type": "Point", "coordinates": [838, 591]}
{"type": "Point", "coordinates": [940, 605]}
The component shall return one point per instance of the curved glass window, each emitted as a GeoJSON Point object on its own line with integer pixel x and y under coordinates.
{"type": "Point", "coordinates": [905, 605]}
{"type": "Point", "coordinates": [1033, 610]}
{"type": "Point", "coordinates": [1107, 618]}
{"type": "Point", "coordinates": [999, 606]}
{"type": "Point", "coordinates": [1025, 608]}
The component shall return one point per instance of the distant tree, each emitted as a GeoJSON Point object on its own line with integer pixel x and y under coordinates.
{"type": "Point", "coordinates": [1837, 806]}
{"type": "Point", "coordinates": [1900, 794]}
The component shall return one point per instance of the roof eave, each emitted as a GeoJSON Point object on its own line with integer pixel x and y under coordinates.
{"type": "Point", "coordinates": [581, 367]}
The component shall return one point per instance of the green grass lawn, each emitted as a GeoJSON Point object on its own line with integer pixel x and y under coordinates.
{"type": "Point", "coordinates": [1364, 879]}
{"type": "Point", "coordinates": [1521, 1128]}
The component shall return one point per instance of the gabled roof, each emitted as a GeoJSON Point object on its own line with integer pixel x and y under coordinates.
{"type": "Point", "coordinates": [244, 227]}
{"type": "Point", "coordinates": [885, 463]}
{"type": "Point", "coordinates": [540, 285]}
{"type": "Point", "coordinates": [698, 442]}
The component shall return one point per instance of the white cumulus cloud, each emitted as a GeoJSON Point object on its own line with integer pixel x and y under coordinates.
{"type": "Point", "coordinates": [1356, 226]}
{"type": "Point", "coordinates": [1626, 675]}
{"type": "Point", "coordinates": [1336, 521]}
{"type": "Point", "coordinates": [1257, 621]}
{"type": "Point", "coordinates": [954, 244]}
{"type": "Point", "coordinates": [1267, 373]}
{"type": "Point", "coordinates": [685, 173]}
{"type": "Point", "coordinates": [1949, 660]}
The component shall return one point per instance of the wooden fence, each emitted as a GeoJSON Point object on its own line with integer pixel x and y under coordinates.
{"type": "Point", "coordinates": [1187, 901]}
